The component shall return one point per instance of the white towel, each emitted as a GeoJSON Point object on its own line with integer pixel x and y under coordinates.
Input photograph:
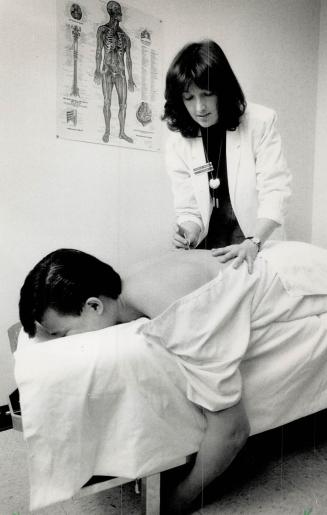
{"type": "Point", "coordinates": [101, 403]}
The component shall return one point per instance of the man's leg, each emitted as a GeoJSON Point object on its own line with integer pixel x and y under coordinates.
{"type": "Point", "coordinates": [121, 87]}
{"type": "Point", "coordinates": [225, 435]}
{"type": "Point", "coordinates": [107, 85]}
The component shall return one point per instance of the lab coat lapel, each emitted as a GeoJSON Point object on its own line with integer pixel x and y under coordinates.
{"type": "Point", "coordinates": [233, 152]}
{"type": "Point", "coordinates": [200, 180]}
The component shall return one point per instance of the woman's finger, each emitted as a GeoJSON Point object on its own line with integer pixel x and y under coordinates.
{"type": "Point", "coordinates": [249, 261]}
{"type": "Point", "coordinates": [179, 238]}
{"type": "Point", "coordinates": [221, 251]}
{"type": "Point", "coordinates": [179, 245]}
{"type": "Point", "coordinates": [227, 257]}
{"type": "Point", "coordinates": [179, 241]}
{"type": "Point", "coordinates": [239, 259]}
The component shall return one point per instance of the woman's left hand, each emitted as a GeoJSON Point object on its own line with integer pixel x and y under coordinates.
{"type": "Point", "coordinates": [245, 251]}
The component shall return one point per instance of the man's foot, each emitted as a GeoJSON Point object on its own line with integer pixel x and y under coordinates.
{"type": "Point", "coordinates": [105, 137]}
{"type": "Point", "coordinates": [124, 136]}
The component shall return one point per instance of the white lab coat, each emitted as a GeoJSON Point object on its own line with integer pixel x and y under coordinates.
{"type": "Point", "coordinates": [258, 177]}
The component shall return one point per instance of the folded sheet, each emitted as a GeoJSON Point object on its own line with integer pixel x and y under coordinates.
{"type": "Point", "coordinates": [101, 403]}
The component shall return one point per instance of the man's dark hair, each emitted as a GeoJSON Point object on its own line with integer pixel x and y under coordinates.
{"type": "Point", "coordinates": [206, 65]}
{"type": "Point", "coordinates": [64, 280]}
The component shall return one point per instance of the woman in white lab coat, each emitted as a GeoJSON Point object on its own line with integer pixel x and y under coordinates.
{"type": "Point", "coordinates": [229, 178]}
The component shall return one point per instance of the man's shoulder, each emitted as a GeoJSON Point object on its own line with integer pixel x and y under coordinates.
{"type": "Point", "coordinates": [123, 33]}
{"type": "Point", "coordinates": [103, 28]}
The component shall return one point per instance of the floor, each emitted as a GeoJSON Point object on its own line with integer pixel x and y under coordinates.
{"type": "Point", "coordinates": [283, 471]}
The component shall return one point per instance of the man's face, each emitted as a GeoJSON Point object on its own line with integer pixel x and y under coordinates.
{"type": "Point", "coordinates": [115, 12]}
{"type": "Point", "coordinates": [92, 318]}
{"type": "Point", "coordinates": [118, 14]}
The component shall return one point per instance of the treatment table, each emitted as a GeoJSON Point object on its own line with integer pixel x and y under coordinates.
{"type": "Point", "coordinates": [262, 337]}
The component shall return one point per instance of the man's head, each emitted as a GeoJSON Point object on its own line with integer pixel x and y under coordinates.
{"type": "Point", "coordinates": [69, 292]}
{"type": "Point", "coordinates": [114, 10]}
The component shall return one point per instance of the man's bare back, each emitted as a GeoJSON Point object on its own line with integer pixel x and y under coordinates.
{"type": "Point", "coordinates": [155, 284]}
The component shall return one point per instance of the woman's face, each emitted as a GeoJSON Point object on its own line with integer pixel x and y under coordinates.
{"type": "Point", "coordinates": [202, 105]}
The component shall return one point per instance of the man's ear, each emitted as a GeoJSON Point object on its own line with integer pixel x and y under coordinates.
{"type": "Point", "coordinates": [94, 304]}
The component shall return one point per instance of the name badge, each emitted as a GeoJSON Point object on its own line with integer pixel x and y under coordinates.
{"type": "Point", "coordinates": [206, 168]}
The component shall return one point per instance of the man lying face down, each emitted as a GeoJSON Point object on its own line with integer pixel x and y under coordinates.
{"type": "Point", "coordinates": [70, 292]}
{"type": "Point", "coordinates": [203, 310]}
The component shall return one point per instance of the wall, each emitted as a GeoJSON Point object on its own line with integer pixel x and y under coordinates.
{"type": "Point", "coordinates": [117, 203]}
{"type": "Point", "coordinates": [319, 226]}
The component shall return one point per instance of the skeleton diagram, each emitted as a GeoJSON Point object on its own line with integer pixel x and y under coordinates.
{"type": "Point", "coordinates": [112, 45]}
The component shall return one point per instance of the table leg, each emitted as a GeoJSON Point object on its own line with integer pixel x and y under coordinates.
{"type": "Point", "coordinates": [150, 495]}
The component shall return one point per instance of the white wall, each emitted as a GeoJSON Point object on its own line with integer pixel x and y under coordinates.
{"type": "Point", "coordinates": [319, 218]}
{"type": "Point", "coordinates": [117, 203]}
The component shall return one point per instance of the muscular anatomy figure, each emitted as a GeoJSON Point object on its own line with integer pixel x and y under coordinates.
{"type": "Point", "coordinates": [112, 45]}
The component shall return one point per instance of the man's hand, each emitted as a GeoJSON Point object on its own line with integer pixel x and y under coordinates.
{"type": "Point", "coordinates": [186, 235]}
{"type": "Point", "coordinates": [245, 251]}
{"type": "Point", "coordinates": [131, 85]}
{"type": "Point", "coordinates": [97, 77]}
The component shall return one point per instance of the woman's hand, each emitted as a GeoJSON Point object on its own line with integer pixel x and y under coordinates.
{"type": "Point", "coordinates": [186, 235]}
{"type": "Point", "coordinates": [245, 251]}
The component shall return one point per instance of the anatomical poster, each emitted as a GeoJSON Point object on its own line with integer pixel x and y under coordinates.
{"type": "Point", "coordinates": [109, 84]}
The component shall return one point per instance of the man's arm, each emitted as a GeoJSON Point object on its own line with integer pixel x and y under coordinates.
{"type": "Point", "coordinates": [129, 64]}
{"type": "Point", "coordinates": [98, 56]}
{"type": "Point", "coordinates": [225, 435]}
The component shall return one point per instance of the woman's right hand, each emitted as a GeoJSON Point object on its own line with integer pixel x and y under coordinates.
{"type": "Point", "coordinates": [186, 235]}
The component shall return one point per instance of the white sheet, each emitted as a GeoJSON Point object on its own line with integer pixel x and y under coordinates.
{"type": "Point", "coordinates": [301, 267]}
{"type": "Point", "coordinates": [101, 403]}
{"type": "Point", "coordinates": [245, 322]}
{"type": "Point", "coordinates": [113, 402]}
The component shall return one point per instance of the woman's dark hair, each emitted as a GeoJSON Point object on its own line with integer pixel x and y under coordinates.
{"type": "Point", "coordinates": [206, 65]}
{"type": "Point", "coordinates": [64, 280]}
